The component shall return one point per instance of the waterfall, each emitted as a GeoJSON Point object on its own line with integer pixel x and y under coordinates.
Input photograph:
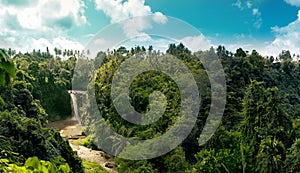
{"type": "Point", "coordinates": [75, 104]}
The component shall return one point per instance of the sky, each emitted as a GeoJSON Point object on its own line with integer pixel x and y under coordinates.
{"type": "Point", "coordinates": [268, 26]}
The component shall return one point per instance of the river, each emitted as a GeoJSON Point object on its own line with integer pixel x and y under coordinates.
{"type": "Point", "coordinates": [71, 130]}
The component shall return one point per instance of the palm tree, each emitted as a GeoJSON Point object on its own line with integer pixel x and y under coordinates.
{"type": "Point", "coordinates": [7, 68]}
{"type": "Point", "coordinates": [270, 155]}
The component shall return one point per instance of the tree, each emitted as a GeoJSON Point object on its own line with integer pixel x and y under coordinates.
{"type": "Point", "coordinates": [143, 49]}
{"type": "Point", "coordinates": [122, 50]}
{"type": "Point", "coordinates": [7, 68]}
{"type": "Point", "coordinates": [7, 71]}
{"type": "Point", "coordinates": [222, 52]}
{"type": "Point", "coordinates": [284, 55]}
{"type": "Point", "coordinates": [240, 53]}
{"type": "Point", "coordinates": [176, 161]}
{"type": "Point", "coordinates": [271, 155]}
{"type": "Point", "coordinates": [56, 51]}
{"type": "Point", "coordinates": [150, 49]}
{"type": "Point", "coordinates": [263, 114]}
{"type": "Point", "coordinates": [225, 152]}
{"type": "Point", "coordinates": [292, 163]}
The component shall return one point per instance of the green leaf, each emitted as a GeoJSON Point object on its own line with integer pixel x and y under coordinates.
{"type": "Point", "coordinates": [64, 168]}
{"type": "Point", "coordinates": [8, 67]}
{"type": "Point", "coordinates": [2, 78]}
{"type": "Point", "coordinates": [3, 55]}
{"type": "Point", "coordinates": [33, 163]}
{"type": "Point", "coordinates": [5, 160]}
{"type": "Point", "coordinates": [52, 168]}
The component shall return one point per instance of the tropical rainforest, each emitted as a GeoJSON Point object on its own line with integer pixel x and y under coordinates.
{"type": "Point", "coordinates": [259, 131]}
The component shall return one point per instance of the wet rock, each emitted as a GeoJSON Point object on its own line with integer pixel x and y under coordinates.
{"type": "Point", "coordinates": [109, 165]}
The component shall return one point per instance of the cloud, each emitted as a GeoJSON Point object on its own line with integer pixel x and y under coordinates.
{"type": "Point", "coordinates": [255, 12]}
{"type": "Point", "coordinates": [34, 24]}
{"type": "Point", "coordinates": [249, 4]}
{"type": "Point", "coordinates": [245, 46]}
{"type": "Point", "coordinates": [257, 24]}
{"type": "Point", "coordinates": [238, 4]}
{"type": "Point", "coordinates": [242, 5]}
{"type": "Point", "coordinates": [58, 42]}
{"type": "Point", "coordinates": [159, 18]}
{"type": "Point", "coordinates": [65, 43]}
{"type": "Point", "coordinates": [286, 38]}
{"type": "Point", "coordinates": [119, 10]}
{"type": "Point", "coordinates": [293, 2]}
{"type": "Point", "coordinates": [161, 44]}
{"type": "Point", "coordinates": [26, 43]}
{"type": "Point", "coordinates": [100, 42]}
{"type": "Point", "coordinates": [258, 21]}
{"type": "Point", "coordinates": [135, 26]}
{"type": "Point", "coordinates": [196, 43]}
{"type": "Point", "coordinates": [37, 17]}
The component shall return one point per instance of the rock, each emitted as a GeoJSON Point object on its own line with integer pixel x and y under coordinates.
{"type": "Point", "coordinates": [109, 165]}
{"type": "Point", "coordinates": [107, 156]}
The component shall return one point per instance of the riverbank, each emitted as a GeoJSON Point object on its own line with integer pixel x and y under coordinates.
{"type": "Point", "coordinates": [70, 129]}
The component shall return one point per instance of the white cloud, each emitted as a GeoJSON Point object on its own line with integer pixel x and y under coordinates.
{"type": "Point", "coordinates": [196, 43]}
{"type": "Point", "coordinates": [293, 2]}
{"type": "Point", "coordinates": [135, 26]}
{"type": "Point", "coordinates": [36, 24]}
{"type": "Point", "coordinates": [258, 21]}
{"type": "Point", "coordinates": [45, 14]}
{"type": "Point", "coordinates": [255, 12]}
{"type": "Point", "coordinates": [65, 43]}
{"type": "Point", "coordinates": [238, 4]}
{"type": "Point", "coordinates": [257, 24]}
{"type": "Point", "coordinates": [249, 4]}
{"type": "Point", "coordinates": [27, 44]}
{"type": "Point", "coordinates": [159, 18]}
{"type": "Point", "coordinates": [286, 38]}
{"type": "Point", "coordinates": [159, 44]}
{"type": "Point", "coordinates": [242, 5]}
{"type": "Point", "coordinates": [240, 36]}
{"type": "Point", "coordinates": [119, 10]}
{"type": "Point", "coordinates": [233, 47]}
{"type": "Point", "coordinates": [99, 42]}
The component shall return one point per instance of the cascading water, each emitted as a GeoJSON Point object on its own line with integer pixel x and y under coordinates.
{"type": "Point", "coordinates": [75, 107]}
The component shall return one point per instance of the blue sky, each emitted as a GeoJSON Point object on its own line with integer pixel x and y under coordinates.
{"type": "Point", "coordinates": [268, 26]}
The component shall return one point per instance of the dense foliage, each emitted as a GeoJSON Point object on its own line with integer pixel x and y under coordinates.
{"type": "Point", "coordinates": [23, 118]}
{"type": "Point", "coordinates": [33, 164]}
{"type": "Point", "coordinates": [260, 127]}
{"type": "Point", "coordinates": [50, 77]}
